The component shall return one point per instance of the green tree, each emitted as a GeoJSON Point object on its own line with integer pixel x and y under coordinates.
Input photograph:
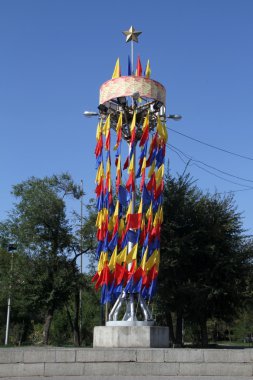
{"type": "Point", "coordinates": [39, 226]}
{"type": "Point", "coordinates": [204, 258]}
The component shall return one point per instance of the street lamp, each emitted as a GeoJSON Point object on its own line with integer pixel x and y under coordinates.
{"type": "Point", "coordinates": [175, 117]}
{"type": "Point", "coordinates": [11, 248]}
{"type": "Point", "coordinates": [90, 113]}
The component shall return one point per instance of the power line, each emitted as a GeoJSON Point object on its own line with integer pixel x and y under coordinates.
{"type": "Point", "coordinates": [246, 187]}
{"type": "Point", "coordinates": [234, 191]}
{"type": "Point", "coordinates": [212, 167]}
{"type": "Point", "coordinates": [212, 146]}
{"type": "Point", "coordinates": [218, 176]}
{"type": "Point", "coordinates": [178, 154]}
{"type": "Point", "coordinates": [224, 179]}
{"type": "Point", "coordinates": [186, 163]}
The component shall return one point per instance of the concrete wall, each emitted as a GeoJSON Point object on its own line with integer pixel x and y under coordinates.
{"type": "Point", "coordinates": [25, 362]}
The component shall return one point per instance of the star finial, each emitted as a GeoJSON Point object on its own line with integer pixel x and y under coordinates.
{"type": "Point", "coordinates": [131, 34]}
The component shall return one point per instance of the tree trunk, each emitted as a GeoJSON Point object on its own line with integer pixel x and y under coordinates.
{"type": "Point", "coordinates": [76, 331]}
{"type": "Point", "coordinates": [47, 324]}
{"type": "Point", "coordinates": [179, 327]}
{"type": "Point", "coordinates": [171, 328]}
{"type": "Point", "coordinates": [22, 333]}
{"type": "Point", "coordinates": [69, 318]}
{"type": "Point", "coordinates": [204, 335]}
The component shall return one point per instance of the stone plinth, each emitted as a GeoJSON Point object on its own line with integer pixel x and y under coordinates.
{"type": "Point", "coordinates": [131, 336]}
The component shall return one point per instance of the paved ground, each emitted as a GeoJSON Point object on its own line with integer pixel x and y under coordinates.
{"type": "Point", "coordinates": [129, 378]}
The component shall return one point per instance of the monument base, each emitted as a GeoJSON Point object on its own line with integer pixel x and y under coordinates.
{"type": "Point", "coordinates": [131, 337]}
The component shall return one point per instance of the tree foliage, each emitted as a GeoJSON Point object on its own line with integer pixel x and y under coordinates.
{"type": "Point", "coordinates": [205, 257]}
{"type": "Point", "coordinates": [39, 226]}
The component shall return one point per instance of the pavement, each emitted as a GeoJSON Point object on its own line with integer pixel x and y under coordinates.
{"type": "Point", "coordinates": [129, 378]}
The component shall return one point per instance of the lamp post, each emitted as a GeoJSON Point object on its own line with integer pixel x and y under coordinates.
{"type": "Point", "coordinates": [11, 248]}
{"type": "Point", "coordinates": [81, 259]}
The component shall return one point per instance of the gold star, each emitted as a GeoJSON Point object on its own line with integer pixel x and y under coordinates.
{"type": "Point", "coordinates": [131, 34]}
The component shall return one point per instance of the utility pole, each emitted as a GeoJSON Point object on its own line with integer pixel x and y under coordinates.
{"type": "Point", "coordinates": [11, 248]}
{"type": "Point", "coordinates": [81, 259]}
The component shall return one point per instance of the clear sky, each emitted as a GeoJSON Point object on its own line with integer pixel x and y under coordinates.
{"type": "Point", "coordinates": [55, 54]}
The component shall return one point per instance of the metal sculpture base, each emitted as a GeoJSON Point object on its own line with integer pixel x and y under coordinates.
{"type": "Point", "coordinates": [129, 318]}
{"type": "Point", "coordinates": [130, 323]}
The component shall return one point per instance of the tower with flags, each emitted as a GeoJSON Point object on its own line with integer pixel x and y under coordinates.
{"type": "Point", "coordinates": [129, 189]}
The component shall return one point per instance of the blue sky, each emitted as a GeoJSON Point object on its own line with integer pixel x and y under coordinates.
{"type": "Point", "coordinates": [55, 54]}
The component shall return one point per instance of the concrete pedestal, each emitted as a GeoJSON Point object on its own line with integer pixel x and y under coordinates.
{"type": "Point", "coordinates": [131, 336]}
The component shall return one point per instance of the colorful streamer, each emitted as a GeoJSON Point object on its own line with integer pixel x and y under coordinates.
{"type": "Point", "coordinates": [120, 226]}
